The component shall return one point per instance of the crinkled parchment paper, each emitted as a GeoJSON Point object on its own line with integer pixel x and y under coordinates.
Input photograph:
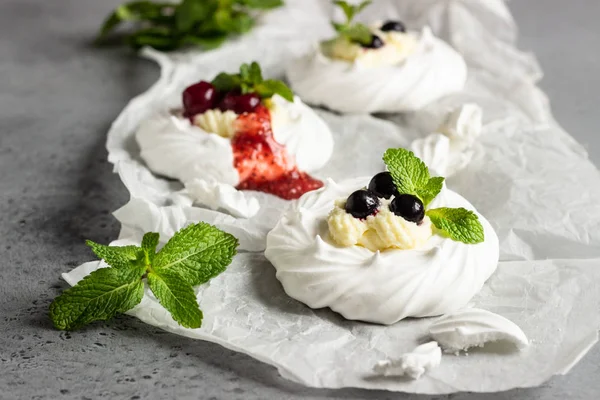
{"type": "Point", "coordinates": [528, 177]}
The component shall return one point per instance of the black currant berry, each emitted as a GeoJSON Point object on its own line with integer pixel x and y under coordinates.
{"type": "Point", "coordinates": [408, 207]}
{"type": "Point", "coordinates": [362, 203]}
{"type": "Point", "coordinates": [396, 26]}
{"type": "Point", "coordinates": [383, 185]}
{"type": "Point", "coordinates": [375, 43]}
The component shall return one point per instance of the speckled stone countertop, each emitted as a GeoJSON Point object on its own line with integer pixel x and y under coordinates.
{"type": "Point", "coordinates": [58, 96]}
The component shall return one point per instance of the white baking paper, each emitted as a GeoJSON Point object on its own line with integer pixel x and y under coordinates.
{"type": "Point", "coordinates": [530, 179]}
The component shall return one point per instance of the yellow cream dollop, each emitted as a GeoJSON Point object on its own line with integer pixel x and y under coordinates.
{"type": "Point", "coordinates": [382, 231]}
{"type": "Point", "coordinates": [217, 121]}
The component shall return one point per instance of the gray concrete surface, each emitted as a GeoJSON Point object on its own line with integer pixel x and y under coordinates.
{"type": "Point", "coordinates": [57, 98]}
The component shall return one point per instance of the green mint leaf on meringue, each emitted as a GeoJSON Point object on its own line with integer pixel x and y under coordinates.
{"type": "Point", "coordinates": [431, 189]}
{"type": "Point", "coordinates": [355, 32]}
{"type": "Point", "coordinates": [191, 257]}
{"type": "Point", "coordinates": [176, 295]}
{"type": "Point", "coordinates": [408, 172]}
{"type": "Point", "coordinates": [458, 224]}
{"type": "Point", "coordinates": [250, 80]}
{"type": "Point", "coordinates": [350, 10]}
{"type": "Point", "coordinates": [358, 33]}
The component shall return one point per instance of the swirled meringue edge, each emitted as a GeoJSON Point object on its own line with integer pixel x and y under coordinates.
{"type": "Point", "coordinates": [432, 71]}
{"type": "Point", "coordinates": [381, 287]}
{"type": "Point", "coordinates": [450, 148]}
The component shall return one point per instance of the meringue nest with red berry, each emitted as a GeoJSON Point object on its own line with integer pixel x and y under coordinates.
{"type": "Point", "coordinates": [241, 132]}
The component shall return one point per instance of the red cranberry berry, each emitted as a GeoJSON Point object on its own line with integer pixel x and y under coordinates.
{"type": "Point", "coordinates": [408, 207]}
{"type": "Point", "coordinates": [362, 203]}
{"type": "Point", "coordinates": [246, 103]}
{"type": "Point", "coordinates": [383, 185]}
{"type": "Point", "coordinates": [229, 102]}
{"type": "Point", "coordinates": [198, 98]}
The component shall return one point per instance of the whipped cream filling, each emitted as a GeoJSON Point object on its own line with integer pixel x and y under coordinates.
{"type": "Point", "coordinates": [475, 327]}
{"type": "Point", "coordinates": [413, 364]}
{"type": "Point", "coordinates": [381, 231]}
{"type": "Point", "coordinates": [432, 70]}
{"type": "Point", "coordinates": [382, 287]}
{"type": "Point", "coordinates": [217, 121]}
{"type": "Point", "coordinates": [398, 46]}
{"type": "Point", "coordinates": [451, 148]}
{"type": "Point", "coordinates": [172, 146]}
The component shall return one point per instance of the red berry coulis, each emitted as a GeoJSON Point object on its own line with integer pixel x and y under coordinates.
{"type": "Point", "coordinates": [262, 163]}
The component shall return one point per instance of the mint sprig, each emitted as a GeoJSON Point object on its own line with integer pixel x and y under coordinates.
{"type": "Point", "coordinates": [411, 176]}
{"type": "Point", "coordinates": [355, 32]}
{"type": "Point", "coordinates": [191, 257]}
{"type": "Point", "coordinates": [458, 224]}
{"type": "Point", "coordinates": [168, 26]}
{"type": "Point", "coordinates": [250, 80]}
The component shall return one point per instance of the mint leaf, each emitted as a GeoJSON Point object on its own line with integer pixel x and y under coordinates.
{"type": "Point", "coordinates": [170, 25]}
{"type": "Point", "coordinates": [358, 33]}
{"type": "Point", "coordinates": [226, 82]}
{"type": "Point", "coordinates": [241, 23]}
{"type": "Point", "coordinates": [198, 253]}
{"type": "Point", "coordinates": [262, 4]}
{"type": "Point", "coordinates": [149, 243]}
{"type": "Point", "coordinates": [177, 296]}
{"type": "Point", "coordinates": [348, 9]}
{"type": "Point", "coordinates": [250, 80]}
{"type": "Point", "coordinates": [458, 224]}
{"type": "Point", "coordinates": [116, 256]}
{"type": "Point", "coordinates": [99, 296]}
{"type": "Point", "coordinates": [429, 192]}
{"type": "Point", "coordinates": [271, 87]}
{"type": "Point", "coordinates": [191, 12]}
{"type": "Point", "coordinates": [408, 171]}
{"type": "Point", "coordinates": [245, 72]}
{"type": "Point", "coordinates": [207, 42]}
{"type": "Point", "coordinates": [159, 37]}
{"type": "Point", "coordinates": [255, 73]}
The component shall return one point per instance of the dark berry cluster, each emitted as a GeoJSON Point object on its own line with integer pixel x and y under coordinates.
{"type": "Point", "coordinates": [204, 96]}
{"type": "Point", "coordinates": [388, 26]}
{"type": "Point", "coordinates": [365, 202]}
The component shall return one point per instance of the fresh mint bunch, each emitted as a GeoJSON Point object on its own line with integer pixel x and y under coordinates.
{"type": "Point", "coordinates": [168, 26]}
{"type": "Point", "coordinates": [250, 80]}
{"type": "Point", "coordinates": [354, 32]}
{"type": "Point", "coordinates": [411, 176]}
{"type": "Point", "coordinates": [191, 257]}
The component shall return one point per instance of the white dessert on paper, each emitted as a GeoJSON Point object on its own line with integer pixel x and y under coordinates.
{"type": "Point", "coordinates": [174, 147]}
{"type": "Point", "coordinates": [178, 149]}
{"type": "Point", "coordinates": [474, 327]}
{"type": "Point", "coordinates": [431, 69]}
{"type": "Point", "coordinates": [413, 364]}
{"type": "Point", "coordinates": [451, 147]}
{"type": "Point", "coordinates": [383, 286]}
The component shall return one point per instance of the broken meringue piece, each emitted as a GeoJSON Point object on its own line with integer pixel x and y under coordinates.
{"type": "Point", "coordinates": [216, 195]}
{"type": "Point", "coordinates": [450, 148]}
{"type": "Point", "coordinates": [475, 327]}
{"type": "Point", "coordinates": [413, 364]}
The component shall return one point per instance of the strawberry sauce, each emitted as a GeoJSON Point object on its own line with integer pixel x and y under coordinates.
{"type": "Point", "coordinates": [262, 163]}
